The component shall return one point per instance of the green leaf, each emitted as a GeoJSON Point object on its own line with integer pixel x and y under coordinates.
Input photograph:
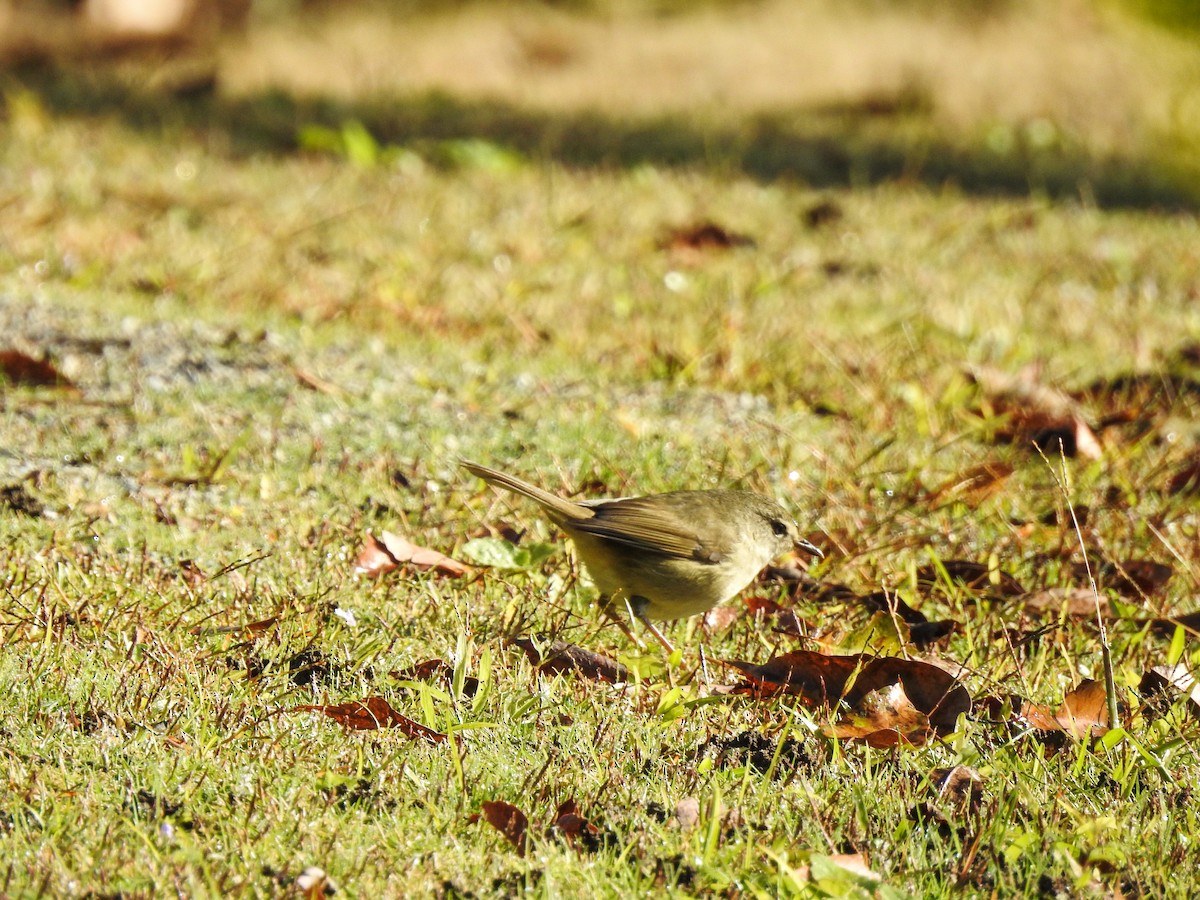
{"type": "Point", "coordinates": [501, 554]}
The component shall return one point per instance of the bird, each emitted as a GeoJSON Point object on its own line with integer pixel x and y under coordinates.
{"type": "Point", "coordinates": [667, 556]}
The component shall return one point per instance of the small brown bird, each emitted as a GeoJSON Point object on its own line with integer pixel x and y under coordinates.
{"type": "Point", "coordinates": [671, 555]}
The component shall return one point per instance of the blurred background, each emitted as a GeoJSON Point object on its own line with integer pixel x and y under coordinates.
{"type": "Point", "coordinates": [990, 94]}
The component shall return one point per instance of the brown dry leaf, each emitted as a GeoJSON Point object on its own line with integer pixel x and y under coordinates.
{"type": "Point", "coordinates": [560, 657]}
{"type": "Point", "coordinates": [1171, 682]}
{"type": "Point", "coordinates": [1084, 712]}
{"type": "Point", "coordinates": [819, 678]}
{"type": "Point", "coordinates": [580, 834]}
{"type": "Point", "coordinates": [1138, 397]}
{"type": "Point", "coordinates": [921, 631]}
{"type": "Point", "coordinates": [22, 370]}
{"type": "Point", "coordinates": [703, 237]}
{"type": "Point", "coordinates": [1023, 390]}
{"type": "Point", "coordinates": [1130, 577]}
{"type": "Point", "coordinates": [1078, 603]}
{"type": "Point", "coordinates": [960, 786]}
{"type": "Point", "coordinates": [927, 699]}
{"type": "Point", "coordinates": [436, 670]}
{"type": "Point", "coordinates": [883, 718]}
{"type": "Point", "coordinates": [974, 485]}
{"type": "Point", "coordinates": [374, 559]}
{"type": "Point", "coordinates": [191, 572]}
{"type": "Point", "coordinates": [1052, 435]}
{"type": "Point", "coordinates": [425, 671]}
{"type": "Point", "coordinates": [1036, 415]}
{"type": "Point", "coordinates": [388, 551]}
{"type": "Point", "coordinates": [509, 821]}
{"type": "Point", "coordinates": [780, 618]}
{"type": "Point", "coordinates": [973, 576]}
{"type": "Point", "coordinates": [374, 713]}
{"type": "Point", "coordinates": [1186, 479]}
{"type": "Point", "coordinates": [1166, 627]}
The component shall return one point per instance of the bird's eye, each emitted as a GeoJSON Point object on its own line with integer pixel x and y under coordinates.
{"type": "Point", "coordinates": [780, 528]}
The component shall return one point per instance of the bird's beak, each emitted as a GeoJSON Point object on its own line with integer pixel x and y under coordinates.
{"type": "Point", "coordinates": [807, 547]}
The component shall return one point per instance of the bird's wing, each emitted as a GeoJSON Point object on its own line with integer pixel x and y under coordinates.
{"type": "Point", "coordinates": [640, 524]}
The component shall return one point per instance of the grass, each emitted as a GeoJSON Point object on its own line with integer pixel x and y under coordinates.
{"type": "Point", "coordinates": [276, 351]}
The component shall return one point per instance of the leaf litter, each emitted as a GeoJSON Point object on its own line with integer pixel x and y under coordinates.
{"type": "Point", "coordinates": [881, 700]}
{"type": "Point", "coordinates": [372, 714]}
{"type": "Point", "coordinates": [383, 554]}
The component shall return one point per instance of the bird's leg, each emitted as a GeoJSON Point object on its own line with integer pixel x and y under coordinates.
{"type": "Point", "coordinates": [610, 610]}
{"type": "Point", "coordinates": [637, 606]}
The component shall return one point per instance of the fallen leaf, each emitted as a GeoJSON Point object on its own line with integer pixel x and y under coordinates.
{"type": "Point", "coordinates": [854, 862]}
{"type": "Point", "coordinates": [1171, 682]}
{"type": "Point", "coordinates": [580, 834]}
{"type": "Point", "coordinates": [374, 713]}
{"type": "Point", "coordinates": [389, 551]}
{"type": "Point", "coordinates": [1137, 396]}
{"type": "Point", "coordinates": [960, 786]}
{"type": "Point", "coordinates": [425, 671]}
{"type": "Point", "coordinates": [921, 631]}
{"type": "Point", "coordinates": [703, 236]}
{"type": "Point", "coordinates": [1084, 712]}
{"type": "Point", "coordinates": [883, 718]}
{"type": "Point", "coordinates": [1051, 435]}
{"type": "Point", "coordinates": [374, 559]}
{"type": "Point", "coordinates": [1186, 479]}
{"type": "Point", "coordinates": [906, 697]}
{"type": "Point", "coordinates": [1076, 603]}
{"type": "Point", "coordinates": [1035, 416]}
{"type": "Point", "coordinates": [560, 657]}
{"type": "Point", "coordinates": [1085, 709]}
{"type": "Point", "coordinates": [1130, 577]}
{"type": "Point", "coordinates": [436, 670]}
{"type": "Point", "coordinates": [1166, 627]}
{"type": "Point", "coordinates": [782, 619]}
{"type": "Point", "coordinates": [498, 553]}
{"type": "Point", "coordinates": [509, 821]}
{"type": "Point", "coordinates": [22, 370]}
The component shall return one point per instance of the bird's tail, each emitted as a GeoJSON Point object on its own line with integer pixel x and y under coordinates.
{"type": "Point", "coordinates": [557, 507]}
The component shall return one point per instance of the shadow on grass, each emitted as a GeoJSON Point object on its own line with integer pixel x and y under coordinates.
{"type": "Point", "coordinates": [845, 147]}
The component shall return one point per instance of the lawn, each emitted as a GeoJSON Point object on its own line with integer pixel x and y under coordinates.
{"type": "Point", "coordinates": [249, 334]}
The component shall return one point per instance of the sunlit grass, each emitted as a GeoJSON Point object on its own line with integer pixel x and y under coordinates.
{"type": "Point", "coordinates": [277, 352]}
